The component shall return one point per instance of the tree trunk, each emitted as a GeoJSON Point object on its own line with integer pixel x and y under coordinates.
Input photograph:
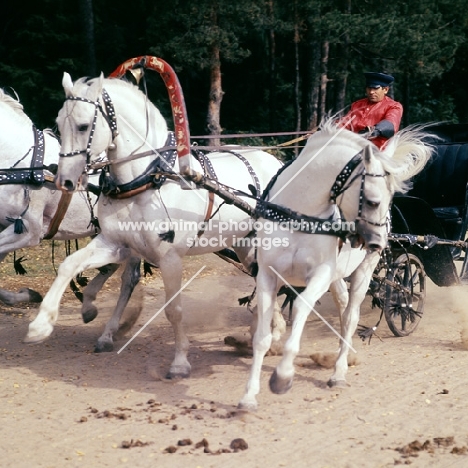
{"type": "Point", "coordinates": [313, 84]}
{"type": "Point", "coordinates": [341, 79]}
{"type": "Point", "coordinates": [297, 84]}
{"type": "Point", "coordinates": [272, 67]}
{"type": "Point", "coordinates": [324, 79]}
{"type": "Point", "coordinates": [216, 96]}
{"type": "Point", "coordinates": [406, 99]}
{"type": "Point", "coordinates": [86, 10]}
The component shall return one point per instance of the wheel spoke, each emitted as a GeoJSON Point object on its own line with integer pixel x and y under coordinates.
{"type": "Point", "coordinates": [404, 294]}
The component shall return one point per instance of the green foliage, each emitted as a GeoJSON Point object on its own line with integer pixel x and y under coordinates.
{"type": "Point", "coordinates": [422, 42]}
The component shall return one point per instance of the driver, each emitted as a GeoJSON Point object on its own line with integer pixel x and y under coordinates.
{"type": "Point", "coordinates": [377, 115]}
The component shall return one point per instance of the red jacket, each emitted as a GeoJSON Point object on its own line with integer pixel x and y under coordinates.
{"type": "Point", "coordinates": [368, 114]}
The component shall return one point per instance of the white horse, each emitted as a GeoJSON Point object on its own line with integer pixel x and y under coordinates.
{"type": "Point", "coordinates": [347, 180]}
{"type": "Point", "coordinates": [162, 225]}
{"type": "Point", "coordinates": [29, 208]}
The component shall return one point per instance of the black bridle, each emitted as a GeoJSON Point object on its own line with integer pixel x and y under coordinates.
{"type": "Point", "coordinates": [109, 117]}
{"type": "Point", "coordinates": [342, 183]}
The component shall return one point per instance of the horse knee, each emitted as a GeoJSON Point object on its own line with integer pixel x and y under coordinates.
{"type": "Point", "coordinates": [262, 344]}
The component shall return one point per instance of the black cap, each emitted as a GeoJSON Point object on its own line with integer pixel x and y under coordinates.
{"type": "Point", "coordinates": [374, 80]}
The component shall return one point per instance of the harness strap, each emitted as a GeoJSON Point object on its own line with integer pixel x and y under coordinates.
{"type": "Point", "coordinates": [130, 193]}
{"type": "Point", "coordinates": [209, 212]}
{"type": "Point", "coordinates": [149, 179]}
{"type": "Point", "coordinates": [298, 221]}
{"type": "Point", "coordinates": [28, 175]}
{"type": "Point", "coordinates": [62, 208]}
{"type": "Point", "coordinates": [208, 170]}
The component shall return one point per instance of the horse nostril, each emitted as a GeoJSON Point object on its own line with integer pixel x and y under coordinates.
{"type": "Point", "coordinates": [68, 185]}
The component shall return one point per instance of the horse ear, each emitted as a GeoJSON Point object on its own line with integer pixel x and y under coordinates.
{"type": "Point", "coordinates": [101, 80]}
{"type": "Point", "coordinates": [368, 154]}
{"type": "Point", "coordinates": [67, 84]}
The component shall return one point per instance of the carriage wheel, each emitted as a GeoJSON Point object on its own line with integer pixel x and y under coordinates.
{"type": "Point", "coordinates": [405, 293]}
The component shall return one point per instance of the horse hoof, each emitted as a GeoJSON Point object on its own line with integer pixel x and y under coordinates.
{"type": "Point", "coordinates": [279, 385]}
{"type": "Point", "coordinates": [38, 332]}
{"type": "Point", "coordinates": [178, 373]}
{"type": "Point", "coordinates": [34, 296]}
{"type": "Point", "coordinates": [35, 339]}
{"type": "Point", "coordinates": [104, 347]}
{"type": "Point", "coordinates": [332, 383]}
{"type": "Point", "coordinates": [249, 406]}
{"type": "Point", "coordinates": [89, 315]}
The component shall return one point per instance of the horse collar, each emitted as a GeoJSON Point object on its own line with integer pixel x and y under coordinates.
{"type": "Point", "coordinates": [151, 178]}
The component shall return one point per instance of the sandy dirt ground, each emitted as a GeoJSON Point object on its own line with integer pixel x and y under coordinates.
{"type": "Point", "coordinates": [64, 406]}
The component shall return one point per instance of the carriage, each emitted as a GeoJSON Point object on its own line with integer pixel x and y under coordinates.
{"type": "Point", "coordinates": [428, 230]}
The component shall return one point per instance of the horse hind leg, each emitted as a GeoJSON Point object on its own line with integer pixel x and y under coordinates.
{"type": "Point", "coordinates": [130, 279]}
{"type": "Point", "coordinates": [11, 298]}
{"type": "Point", "coordinates": [88, 310]}
{"type": "Point", "coordinates": [278, 329]}
{"type": "Point", "coordinates": [28, 295]}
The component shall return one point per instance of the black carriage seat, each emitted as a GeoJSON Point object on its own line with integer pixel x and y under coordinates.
{"type": "Point", "coordinates": [438, 204]}
{"type": "Point", "coordinates": [443, 184]}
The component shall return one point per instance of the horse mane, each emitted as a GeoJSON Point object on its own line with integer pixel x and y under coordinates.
{"type": "Point", "coordinates": [14, 104]}
{"type": "Point", "coordinates": [86, 82]}
{"type": "Point", "coordinates": [404, 156]}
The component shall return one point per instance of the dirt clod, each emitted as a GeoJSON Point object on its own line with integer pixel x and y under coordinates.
{"type": "Point", "coordinates": [202, 443]}
{"type": "Point", "coordinates": [239, 444]}
{"type": "Point", "coordinates": [133, 443]}
{"type": "Point", "coordinates": [184, 442]}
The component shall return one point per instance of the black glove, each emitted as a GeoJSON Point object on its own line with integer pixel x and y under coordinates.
{"type": "Point", "coordinates": [370, 132]}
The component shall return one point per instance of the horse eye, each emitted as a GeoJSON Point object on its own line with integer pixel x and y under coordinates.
{"type": "Point", "coordinates": [372, 204]}
{"type": "Point", "coordinates": [83, 128]}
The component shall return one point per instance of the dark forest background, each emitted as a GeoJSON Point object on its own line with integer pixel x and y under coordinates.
{"type": "Point", "coordinates": [245, 65]}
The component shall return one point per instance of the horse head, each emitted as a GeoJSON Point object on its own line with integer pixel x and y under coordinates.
{"type": "Point", "coordinates": [367, 202]}
{"type": "Point", "coordinates": [87, 127]}
{"type": "Point", "coordinates": [88, 121]}
{"type": "Point", "coordinates": [384, 173]}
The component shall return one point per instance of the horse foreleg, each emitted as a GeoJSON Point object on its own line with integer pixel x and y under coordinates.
{"type": "Point", "coordinates": [130, 278]}
{"type": "Point", "coordinates": [278, 328]}
{"type": "Point", "coordinates": [282, 378]}
{"type": "Point", "coordinates": [171, 271]}
{"type": "Point", "coordinates": [340, 296]}
{"type": "Point", "coordinates": [96, 254]}
{"type": "Point", "coordinates": [88, 310]}
{"type": "Point", "coordinates": [266, 287]}
{"type": "Point", "coordinates": [360, 280]}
